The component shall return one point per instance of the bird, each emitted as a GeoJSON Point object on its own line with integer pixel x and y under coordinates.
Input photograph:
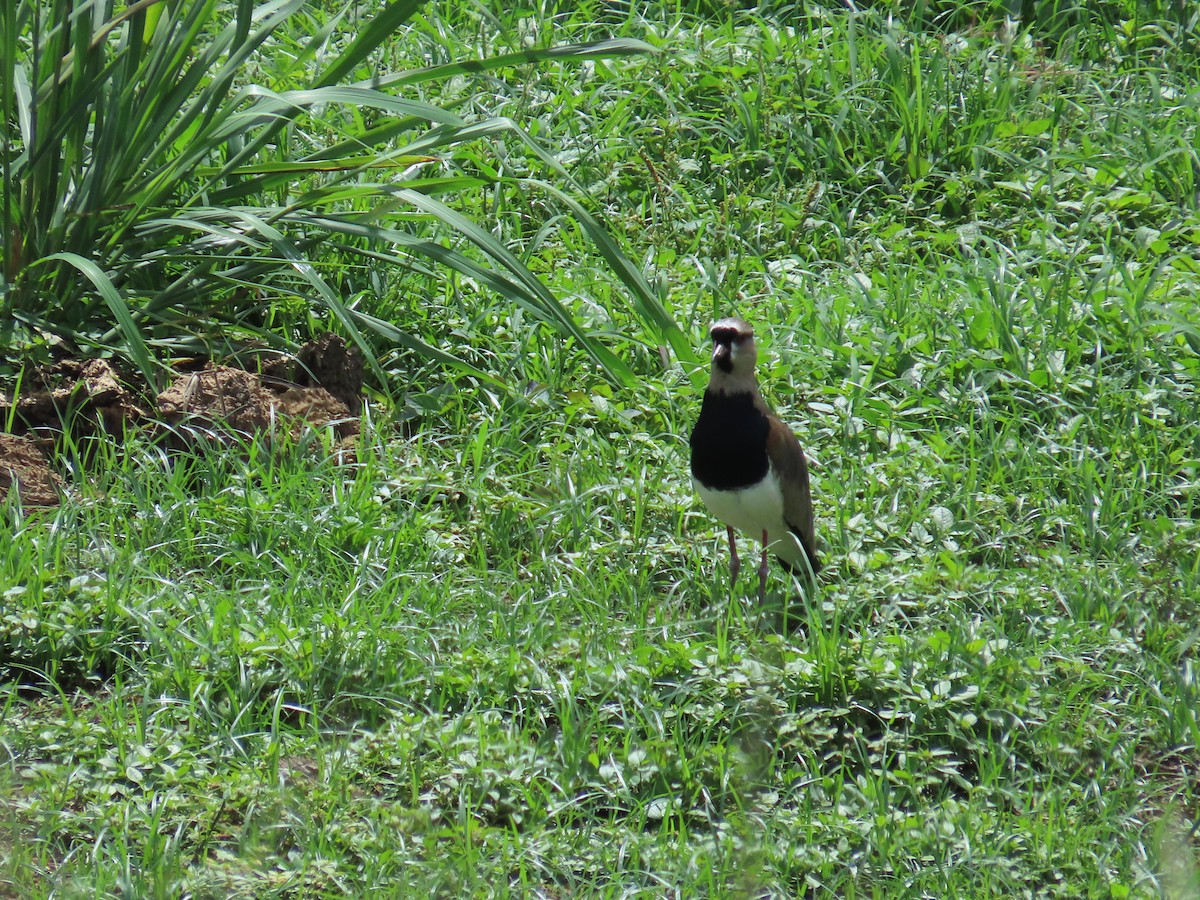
{"type": "Point", "coordinates": [747, 466]}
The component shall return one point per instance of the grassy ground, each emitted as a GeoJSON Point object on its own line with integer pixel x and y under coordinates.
{"type": "Point", "coordinates": [498, 656]}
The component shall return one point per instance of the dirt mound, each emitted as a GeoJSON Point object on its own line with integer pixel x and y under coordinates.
{"type": "Point", "coordinates": [23, 464]}
{"type": "Point", "coordinates": [224, 399]}
{"type": "Point", "coordinates": [327, 363]}
{"type": "Point", "coordinates": [321, 387]}
{"type": "Point", "coordinates": [85, 393]}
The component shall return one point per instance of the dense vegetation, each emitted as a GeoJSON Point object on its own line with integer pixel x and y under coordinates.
{"type": "Point", "coordinates": [498, 654]}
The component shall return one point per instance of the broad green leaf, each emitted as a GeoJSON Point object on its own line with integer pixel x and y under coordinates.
{"type": "Point", "coordinates": [117, 306]}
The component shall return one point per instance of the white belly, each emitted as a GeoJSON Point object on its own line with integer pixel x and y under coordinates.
{"type": "Point", "coordinates": [753, 511]}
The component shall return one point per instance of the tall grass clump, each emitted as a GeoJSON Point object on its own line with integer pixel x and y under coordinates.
{"type": "Point", "coordinates": [183, 175]}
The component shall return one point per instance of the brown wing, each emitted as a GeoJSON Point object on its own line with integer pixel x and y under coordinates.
{"type": "Point", "coordinates": [787, 459]}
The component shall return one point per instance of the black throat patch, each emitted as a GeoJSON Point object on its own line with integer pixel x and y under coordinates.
{"type": "Point", "coordinates": [729, 442]}
{"type": "Point", "coordinates": [725, 363]}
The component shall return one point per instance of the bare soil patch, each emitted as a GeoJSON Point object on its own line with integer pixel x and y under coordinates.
{"type": "Point", "coordinates": [23, 465]}
{"type": "Point", "coordinates": [320, 387]}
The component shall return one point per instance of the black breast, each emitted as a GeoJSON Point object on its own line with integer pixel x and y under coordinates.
{"type": "Point", "coordinates": [729, 442]}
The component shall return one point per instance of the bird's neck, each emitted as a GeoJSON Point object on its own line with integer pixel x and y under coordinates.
{"type": "Point", "coordinates": [729, 383]}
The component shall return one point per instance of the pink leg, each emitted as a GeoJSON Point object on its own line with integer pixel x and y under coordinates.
{"type": "Point", "coordinates": [762, 572]}
{"type": "Point", "coordinates": [735, 564]}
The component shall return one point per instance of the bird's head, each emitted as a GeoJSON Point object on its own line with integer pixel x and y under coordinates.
{"type": "Point", "coordinates": [734, 353]}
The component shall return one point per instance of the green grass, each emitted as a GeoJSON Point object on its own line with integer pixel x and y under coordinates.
{"type": "Point", "coordinates": [498, 656]}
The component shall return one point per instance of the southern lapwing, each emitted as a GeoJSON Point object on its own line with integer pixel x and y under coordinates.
{"type": "Point", "coordinates": [747, 465]}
